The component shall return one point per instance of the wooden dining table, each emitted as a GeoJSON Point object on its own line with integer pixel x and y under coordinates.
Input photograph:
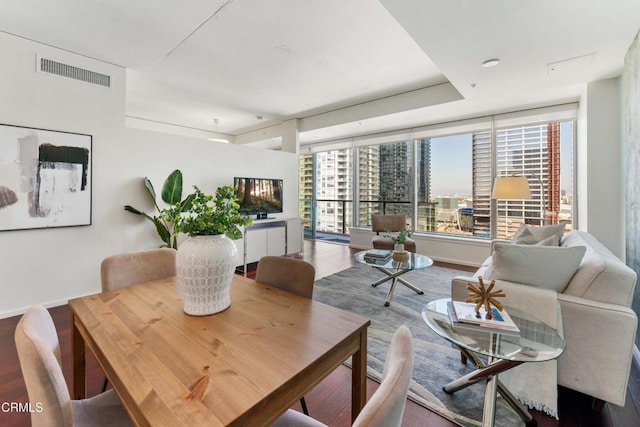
{"type": "Point", "coordinates": [243, 366]}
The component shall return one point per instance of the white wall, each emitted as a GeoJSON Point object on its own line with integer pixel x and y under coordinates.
{"type": "Point", "coordinates": [50, 266]}
{"type": "Point", "coordinates": [600, 165]}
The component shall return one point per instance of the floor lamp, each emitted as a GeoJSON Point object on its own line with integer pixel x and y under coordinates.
{"type": "Point", "coordinates": [511, 187]}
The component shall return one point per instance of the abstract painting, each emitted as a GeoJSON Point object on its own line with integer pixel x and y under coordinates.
{"type": "Point", "coordinates": [45, 178]}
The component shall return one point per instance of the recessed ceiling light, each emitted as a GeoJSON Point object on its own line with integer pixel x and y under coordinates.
{"type": "Point", "coordinates": [226, 141]}
{"type": "Point", "coordinates": [490, 63]}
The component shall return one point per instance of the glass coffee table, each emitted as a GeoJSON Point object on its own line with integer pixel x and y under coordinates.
{"type": "Point", "coordinates": [394, 269]}
{"type": "Point", "coordinates": [537, 342]}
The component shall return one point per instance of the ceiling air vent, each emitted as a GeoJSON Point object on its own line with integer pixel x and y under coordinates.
{"type": "Point", "coordinates": [66, 70]}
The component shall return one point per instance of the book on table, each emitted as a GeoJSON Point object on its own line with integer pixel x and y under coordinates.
{"type": "Point", "coordinates": [463, 315]}
{"type": "Point", "coordinates": [377, 255]}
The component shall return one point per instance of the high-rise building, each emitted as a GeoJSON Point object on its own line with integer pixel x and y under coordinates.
{"type": "Point", "coordinates": [426, 207]}
{"type": "Point", "coordinates": [396, 187]}
{"type": "Point", "coordinates": [395, 165]}
{"type": "Point", "coordinates": [533, 152]}
{"type": "Point", "coordinates": [334, 189]}
{"type": "Point", "coordinates": [481, 183]}
{"type": "Point", "coordinates": [305, 189]}
{"type": "Point", "coordinates": [368, 182]}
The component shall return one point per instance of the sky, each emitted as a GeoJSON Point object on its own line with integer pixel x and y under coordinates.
{"type": "Point", "coordinates": [451, 165]}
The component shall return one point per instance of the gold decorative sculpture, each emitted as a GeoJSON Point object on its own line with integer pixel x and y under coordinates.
{"type": "Point", "coordinates": [482, 296]}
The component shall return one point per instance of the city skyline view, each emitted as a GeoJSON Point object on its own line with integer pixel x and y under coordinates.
{"type": "Point", "coordinates": [454, 181]}
{"type": "Point", "coordinates": [451, 163]}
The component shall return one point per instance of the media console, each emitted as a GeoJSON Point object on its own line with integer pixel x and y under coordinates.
{"type": "Point", "coordinates": [272, 236]}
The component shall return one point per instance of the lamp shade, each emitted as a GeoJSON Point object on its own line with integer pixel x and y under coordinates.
{"type": "Point", "coordinates": [511, 187]}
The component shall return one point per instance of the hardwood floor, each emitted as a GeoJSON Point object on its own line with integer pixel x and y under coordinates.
{"type": "Point", "coordinates": [329, 402]}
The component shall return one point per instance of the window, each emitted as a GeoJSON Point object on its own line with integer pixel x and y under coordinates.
{"type": "Point", "coordinates": [441, 176]}
{"type": "Point", "coordinates": [542, 153]}
{"type": "Point", "coordinates": [326, 192]}
{"type": "Point", "coordinates": [445, 185]}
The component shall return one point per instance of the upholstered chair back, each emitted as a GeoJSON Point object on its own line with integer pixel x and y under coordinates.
{"type": "Point", "coordinates": [290, 274]}
{"type": "Point", "coordinates": [382, 223]}
{"type": "Point", "coordinates": [126, 269]}
{"type": "Point", "coordinates": [386, 407]}
{"type": "Point", "coordinates": [389, 223]}
{"type": "Point", "coordinates": [39, 353]}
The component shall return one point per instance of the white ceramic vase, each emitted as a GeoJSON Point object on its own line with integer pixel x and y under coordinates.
{"type": "Point", "coordinates": [205, 266]}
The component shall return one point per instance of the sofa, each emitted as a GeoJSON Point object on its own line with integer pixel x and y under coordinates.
{"type": "Point", "coordinates": [594, 291]}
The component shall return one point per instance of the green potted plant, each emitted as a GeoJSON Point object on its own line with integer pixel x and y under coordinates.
{"type": "Point", "coordinates": [400, 238]}
{"type": "Point", "coordinates": [207, 215]}
{"type": "Point", "coordinates": [165, 218]}
{"type": "Point", "coordinates": [207, 259]}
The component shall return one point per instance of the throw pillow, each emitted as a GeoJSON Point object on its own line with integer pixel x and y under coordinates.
{"type": "Point", "coordinates": [527, 238]}
{"type": "Point", "coordinates": [524, 236]}
{"type": "Point", "coordinates": [549, 267]}
{"type": "Point", "coordinates": [539, 233]}
{"type": "Point", "coordinates": [549, 241]}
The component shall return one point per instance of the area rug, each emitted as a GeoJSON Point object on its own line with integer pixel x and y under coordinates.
{"type": "Point", "coordinates": [436, 362]}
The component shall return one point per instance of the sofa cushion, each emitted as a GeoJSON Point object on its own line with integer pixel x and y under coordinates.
{"type": "Point", "coordinates": [549, 267]}
{"type": "Point", "coordinates": [532, 235]}
{"type": "Point", "coordinates": [602, 276]}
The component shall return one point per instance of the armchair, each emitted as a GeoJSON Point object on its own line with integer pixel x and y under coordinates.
{"type": "Point", "coordinates": [389, 223]}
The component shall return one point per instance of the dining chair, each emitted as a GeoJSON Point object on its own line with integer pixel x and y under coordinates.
{"type": "Point", "coordinates": [389, 224]}
{"type": "Point", "coordinates": [386, 406]}
{"type": "Point", "coordinates": [39, 354]}
{"type": "Point", "coordinates": [126, 269]}
{"type": "Point", "coordinates": [289, 274]}
{"type": "Point", "coordinates": [130, 268]}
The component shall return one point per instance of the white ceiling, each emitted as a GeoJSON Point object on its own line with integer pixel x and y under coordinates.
{"type": "Point", "coordinates": [383, 64]}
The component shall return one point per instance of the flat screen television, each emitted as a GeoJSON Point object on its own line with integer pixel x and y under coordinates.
{"type": "Point", "coordinates": [258, 195]}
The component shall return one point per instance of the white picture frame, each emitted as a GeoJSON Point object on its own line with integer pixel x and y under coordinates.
{"type": "Point", "coordinates": [45, 178]}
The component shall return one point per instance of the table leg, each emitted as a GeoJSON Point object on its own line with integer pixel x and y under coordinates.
{"type": "Point", "coordinates": [390, 293]}
{"type": "Point", "coordinates": [411, 286]}
{"type": "Point", "coordinates": [479, 374]}
{"type": "Point", "coordinates": [359, 377]}
{"type": "Point", "coordinates": [381, 281]}
{"type": "Point", "coordinates": [390, 275]}
{"type": "Point", "coordinates": [515, 404]}
{"type": "Point", "coordinates": [79, 371]}
{"type": "Point", "coordinates": [394, 276]}
{"type": "Point", "coordinates": [490, 394]}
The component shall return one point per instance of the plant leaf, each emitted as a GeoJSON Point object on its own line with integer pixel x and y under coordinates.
{"type": "Point", "coordinates": [133, 210]}
{"type": "Point", "coordinates": [187, 202]}
{"type": "Point", "coordinates": [162, 231]}
{"type": "Point", "coordinates": [137, 212]}
{"type": "Point", "coordinates": [149, 185]}
{"type": "Point", "coordinates": [172, 188]}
